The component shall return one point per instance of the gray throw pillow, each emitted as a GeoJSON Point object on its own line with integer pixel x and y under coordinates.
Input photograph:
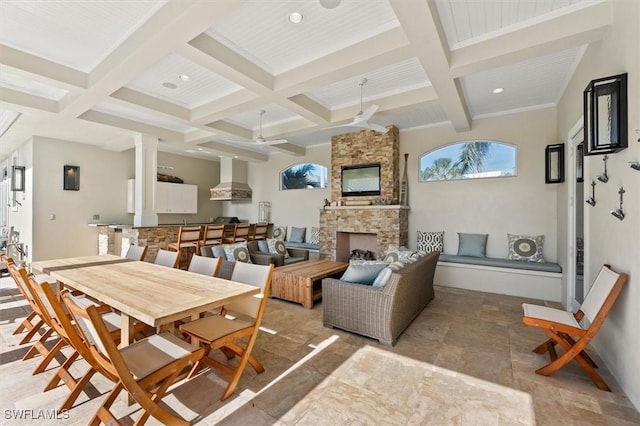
{"type": "Point", "coordinates": [526, 247]}
{"type": "Point", "coordinates": [383, 278]}
{"type": "Point", "coordinates": [218, 251]}
{"type": "Point", "coordinates": [263, 246]}
{"type": "Point", "coordinates": [472, 245]}
{"type": "Point", "coordinates": [362, 274]}
{"type": "Point", "coordinates": [297, 235]}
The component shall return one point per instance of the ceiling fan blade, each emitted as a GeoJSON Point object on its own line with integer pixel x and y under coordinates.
{"type": "Point", "coordinates": [367, 113]}
{"type": "Point", "coordinates": [275, 142]}
{"type": "Point", "coordinates": [378, 128]}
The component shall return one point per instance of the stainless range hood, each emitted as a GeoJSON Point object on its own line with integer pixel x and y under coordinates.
{"type": "Point", "coordinates": [233, 181]}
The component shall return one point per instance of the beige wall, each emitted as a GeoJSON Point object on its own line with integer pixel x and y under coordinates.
{"type": "Point", "coordinates": [20, 215]}
{"type": "Point", "coordinates": [496, 206]}
{"type": "Point", "coordinates": [609, 240]}
{"type": "Point", "coordinates": [294, 207]}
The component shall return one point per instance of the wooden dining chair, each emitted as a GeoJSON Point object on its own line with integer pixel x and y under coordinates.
{"type": "Point", "coordinates": [227, 333]}
{"type": "Point", "coordinates": [240, 233]}
{"type": "Point", "coordinates": [60, 320]}
{"type": "Point", "coordinates": [212, 235]}
{"type": "Point", "coordinates": [145, 369]}
{"type": "Point", "coordinates": [573, 332]}
{"type": "Point", "coordinates": [136, 252]}
{"type": "Point", "coordinates": [167, 258]}
{"type": "Point", "coordinates": [188, 238]}
{"type": "Point", "coordinates": [205, 265]}
{"type": "Point", "coordinates": [33, 322]}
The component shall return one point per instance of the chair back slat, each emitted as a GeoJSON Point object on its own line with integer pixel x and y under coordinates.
{"type": "Point", "coordinates": [260, 231]}
{"type": "Point", "coordinates": [213, 235]}
{"type": "Point", "coordinates": [189, 234]}
{"type": "Point", "coordinates": [242, 230]}
{"type": "Point", "coordinates": [78, 308]}
{"type": "Point", "coordinates": [205, 265]}
{"type": "Point", "coordinates": [136, 252]}
{"type": "Point", "coordinates": [598, 293]}
{"type": "Point", "coordinates": [252, 274]}
{"type": "Point", "coordinates": [167, 258]}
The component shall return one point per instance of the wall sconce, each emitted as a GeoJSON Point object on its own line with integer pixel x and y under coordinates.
{"type": "Point", "coordinates": [554, 163]}
{"type": "Point", "coordinates": [17, 178]}
{"type": "Point", "coordinates": [604, 177]}
{"type": "Point", "coordinates": [592, 201]}
{"type": "Point", "coordinates": [605, 115]}
{"type": "Point", "coordinates": [635, 165]}
{"type": "Point", "coordinates": [618, 213]}
{"type": "Point", "coordinates": [71, 178]}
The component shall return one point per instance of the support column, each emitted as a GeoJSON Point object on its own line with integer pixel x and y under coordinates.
{"type": "Point", "coordinates": [146, 176]}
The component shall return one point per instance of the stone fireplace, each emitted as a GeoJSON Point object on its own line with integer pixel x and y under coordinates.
{"type": "Point", "coordinates": [369, 227]}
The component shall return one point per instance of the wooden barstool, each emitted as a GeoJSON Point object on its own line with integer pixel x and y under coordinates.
{"type": "Point", "coordinates": [188, 238]}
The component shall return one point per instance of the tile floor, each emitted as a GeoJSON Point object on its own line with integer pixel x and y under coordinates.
{"type": "Point", "coordinates": [477, 334]}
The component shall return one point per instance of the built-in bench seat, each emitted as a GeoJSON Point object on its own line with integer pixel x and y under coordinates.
{"type": "Point", "coordinates": [503, 276]}
{"type": "Point", "coordinates": [308, 246]}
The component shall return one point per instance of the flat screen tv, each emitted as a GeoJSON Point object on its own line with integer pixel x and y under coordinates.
{"type": "Point", "coordinates": [362, 179]}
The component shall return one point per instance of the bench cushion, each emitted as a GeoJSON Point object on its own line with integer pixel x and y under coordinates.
{"type": "Point", "coordinates": [307, 246]}
{"type": "Point", "coordinates": [502, 263]}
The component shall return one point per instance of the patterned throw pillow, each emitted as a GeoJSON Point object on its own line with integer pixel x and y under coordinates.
{"type": "Point", "coordinates": [279, 233]}
{"type": "Point", "coordinates": [314, 237]}
{"type": "Point", "coordinates": [278, 247]}
{"type": "Point", "coordinates": [395, 254]}
{"type": "Point", "coordinates": [241, 254]}
{"type": "Point", "coordinates": [230, 250]}
{"type": "Point", "coordinates": [430, 241]}
{"type": "Point", "coordinates": [525, 247]}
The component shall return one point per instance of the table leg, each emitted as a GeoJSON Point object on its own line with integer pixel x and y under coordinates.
{"type": "Point", "coordinates": [126, 330]}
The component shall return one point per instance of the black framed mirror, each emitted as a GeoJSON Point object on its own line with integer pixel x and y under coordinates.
{"type": "Point", "coordinates": [554, 163]}
{"type": "Point", "coordinates": [605, 115]}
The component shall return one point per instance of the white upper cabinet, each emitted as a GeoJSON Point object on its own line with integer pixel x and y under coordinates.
{"type": "Point", "coordinates": [172, 198]}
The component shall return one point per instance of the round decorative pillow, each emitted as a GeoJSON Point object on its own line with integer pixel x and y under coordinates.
{"type": "Point", "coordinates": [241, 254]}
{"type": "Point", "coordinates": [526, 247]}
{"type": "Point", "coordinates": [281, 248]}
{"type": "Point", "coordinates": [279, 233]}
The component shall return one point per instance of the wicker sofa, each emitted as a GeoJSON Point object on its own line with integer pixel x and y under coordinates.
{"type": "Point", "coordinates": [257, 256]}
{"type": "Point", "coordinates": [381, 313]}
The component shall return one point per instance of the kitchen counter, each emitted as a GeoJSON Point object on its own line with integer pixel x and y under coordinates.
{"type": "Point", "coordinates": [161, 225]}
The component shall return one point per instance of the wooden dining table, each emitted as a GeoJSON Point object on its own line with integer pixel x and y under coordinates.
{"type": "Point", "coordinates": [47, 266]}
{"type": "Point", "coordinates": [153, 294]}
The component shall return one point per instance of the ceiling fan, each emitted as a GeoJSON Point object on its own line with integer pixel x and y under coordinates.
{"type": "Point", "coordinates": [260, 140]}
{"type": "Point", "coordinates": [361, 120]}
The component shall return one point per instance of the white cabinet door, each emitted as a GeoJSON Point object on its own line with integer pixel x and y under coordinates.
{"type": "Point", "coordinates": [190, 199]}
{"type": "Point", "coordinates": [131, 196]}
{"type": "Point", "coordinates": [173, 198]}
{"type": "Point", "coordinates": [162, 197]}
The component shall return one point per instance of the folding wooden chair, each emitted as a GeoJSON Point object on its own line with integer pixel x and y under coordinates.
{"type": "Point", "coordinates": [584, 324]}
{"type": "Point", "coordinates": [32, 323]}
{"type": "Point", "coordinates": [222, 332]}
{"type": "Point", "coordinates": [167, 258]}
{"type": "Point", "coordinates": [136, 252]}
{"type": "Point", "coordinates": [145, 369]}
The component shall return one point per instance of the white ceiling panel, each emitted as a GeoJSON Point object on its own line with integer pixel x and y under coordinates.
{"type": "Point", "coordinates": [203, 86]}
{"type": "Point", "coordinates": [78, 34]}
{"type": "Point", "coordinates": [274, 115]}
{"type": "Point", "coordinates": [545, 79]}
{"type": "Point", "coordinates": [395, 78]}
{"type": "Point", "coordinates": [143, 117]}
{"type": "Point", "coordinates": [420, 117]}
{"type": "Point", "coordinates": [464, 20]}
{"type": "Point", "coordinates": [12, 80]}
{"type": "Point", "coordinates": [277, 45]}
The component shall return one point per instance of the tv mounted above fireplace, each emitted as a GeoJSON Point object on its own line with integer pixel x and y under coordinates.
{"type": "Point", "coordinates": [361, 179]}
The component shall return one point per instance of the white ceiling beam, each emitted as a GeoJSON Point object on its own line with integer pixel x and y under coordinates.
{"type": "Point", "coordinates": [168, 109]}
{"type": "Point", "coordinates": [307, 104]}
{"type": "Point", "coordinates": [230, 150]}
{"type": "Point", "coordinates": [136, 126]}
{"type": "Point", "coordinates": [235, 101]}
{"type": "Point", "coordinates": [228, 128]}
{"type": "Point", "coordinates": [28, 100]}
{"type": "Point", "coordinates": [287, 148]}
{"type": "Point", "coordinates": [421, 23]}
{"type": "Point", "coordinates": [173, 25]}
{"type": "Point", "coordinates": [42, 67]}
{"type": "Point", "coordinates": [562, 32]}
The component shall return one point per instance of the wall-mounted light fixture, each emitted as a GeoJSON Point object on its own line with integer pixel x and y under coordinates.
{"type": "Point", "coordinates": [17, 178]}
{"type": "Point", "coordinates": [554, 163]}
{"type": "Point", "coordinates": [618, 213]}
{"type": "Point", "coordinates": [592, 201]}
{"type": "Point", "coordinates": [635, 165]}
{"type": "Point", "coordinates": [71, 178]}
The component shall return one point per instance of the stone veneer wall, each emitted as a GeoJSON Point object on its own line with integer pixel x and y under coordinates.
{"type": "Point", "coordinates": [364, 147]}
{"type": "Point", "coordinates": [154, 237]}
{"type": "Point", "coordinates": [390, 223]}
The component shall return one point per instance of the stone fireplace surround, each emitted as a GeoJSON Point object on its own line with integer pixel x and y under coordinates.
{"type": "Point", "coordinates": [373, 227]}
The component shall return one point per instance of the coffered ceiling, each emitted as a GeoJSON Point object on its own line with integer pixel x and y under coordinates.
{"type": "Point", "coordinates": [196, 74]}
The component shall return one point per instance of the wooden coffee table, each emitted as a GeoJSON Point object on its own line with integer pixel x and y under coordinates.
{"type": "Point", "coordinates": [302, 282]}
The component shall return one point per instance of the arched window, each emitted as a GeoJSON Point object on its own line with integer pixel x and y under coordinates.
{"type": "Point", "coordinates": [304, 176]}
{"type": "Point", "coordinates": [468, 160]}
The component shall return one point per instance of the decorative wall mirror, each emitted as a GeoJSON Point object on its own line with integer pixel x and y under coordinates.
{"type": "Point", "coordinates": [554, 163]}
{"type": "Point", "coordinates": [605, 115]}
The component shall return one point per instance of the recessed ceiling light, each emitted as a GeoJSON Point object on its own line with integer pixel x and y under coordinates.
{"type": "Point", "coordinates": [330, 4]}
{"type": "Point", "coordinates": [184, 77]}
{"type": "Point", "coordinates": [295, 17]}
{"type": "Point", "coordinates": [169, 85]}
{"type": "Point", "coordinates": [498, 90]}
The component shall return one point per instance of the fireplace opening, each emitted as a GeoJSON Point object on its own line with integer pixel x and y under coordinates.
{"type": "Point", "coordinates": [360, 254]}
{"type": "Point", "coordinates": [346, 242]}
